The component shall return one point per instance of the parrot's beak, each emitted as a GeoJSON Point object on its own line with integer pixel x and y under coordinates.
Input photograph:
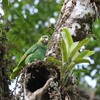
{"type": "Point", "coordinates": [46, 40]}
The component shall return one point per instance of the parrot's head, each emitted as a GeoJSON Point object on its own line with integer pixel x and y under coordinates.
{"type": "Point", "coordinates": [44, 39]}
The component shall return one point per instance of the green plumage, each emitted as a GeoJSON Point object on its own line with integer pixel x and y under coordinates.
{"type": "Point", "coordinates": [36, 52]}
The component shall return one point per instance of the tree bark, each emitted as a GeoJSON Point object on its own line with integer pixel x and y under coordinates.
{"type": "Point", "coordinates": [4, 85]}
{"type": "Point", "coordinates": [77, 16]}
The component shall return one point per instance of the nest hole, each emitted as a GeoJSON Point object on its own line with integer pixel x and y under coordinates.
{"type": "Point", "coordinates": [38, 74]}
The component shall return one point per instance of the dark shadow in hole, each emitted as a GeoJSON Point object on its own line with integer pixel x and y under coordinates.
{"type": "Point", "coordinates": [38, 78]}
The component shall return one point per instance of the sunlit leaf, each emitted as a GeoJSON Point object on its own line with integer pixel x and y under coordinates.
{"type": "Point", "coordinates": [64, 52]}
{"type": "Point", "coordinates": [73, 46]}
{"type": "Point", "coordinates": [84, 54]}
{"type": "Point", "coordinates": [71, 66]}
{"type": "Point", "coordinates": [82, 61]}
{"type": "Point", "coordinates": [80, 44]}
{"type": "Point", "coordinates": [67, 38]}
{"type": "Point", "coordinates": [54, 60]}
{"type": "Point", "coordinates": [81, 70]}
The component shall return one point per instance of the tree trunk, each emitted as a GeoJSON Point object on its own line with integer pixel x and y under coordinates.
{"type": "Point", "coordinates": [77, 16]}
{"type": "Point", "coordinates": [4, 86]}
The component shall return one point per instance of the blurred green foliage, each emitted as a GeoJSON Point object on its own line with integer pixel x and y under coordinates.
{"type": "Point", "coordinates": [96, 28]}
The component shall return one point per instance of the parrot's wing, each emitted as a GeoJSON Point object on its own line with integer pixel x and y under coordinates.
{"type": "Point", "coordinates": [28, 52]}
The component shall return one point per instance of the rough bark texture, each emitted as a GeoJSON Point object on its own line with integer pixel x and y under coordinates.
{"type": "Point", "coordinates": [4, 89]}
{"type": "Point", "coordinates": [36, 79]}
{"type": "Point", "coordinates": [77, 15]}
{"type": "Point", "coordinates": [4, 62]}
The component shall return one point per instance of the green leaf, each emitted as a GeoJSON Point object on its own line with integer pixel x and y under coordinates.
{"type": "Point", "coordinates": [82, 61]}
{"type": "Point", "coordinates": [54, 60]}
{"type": "Point", "coordinates": [80, 70]}
{"type": "Point", "coordinates": [64, 52]}
{"type": "Point", "coordinates": [8, 2]}
{"type": "Point", "coordinates": [67, 38]}
{"type": "Point", "coordinates": [90, 53]}
{"type": "Point", "coordinates": [85, 53]}
{"type": "Point", "coordinates": [73, 46]}
{"type": "Point", "coordinates": [76, 54]}
{"type": "Point", "coordinates": [71, 66]}
{"type": "Point", "coordinates": [80, 44]}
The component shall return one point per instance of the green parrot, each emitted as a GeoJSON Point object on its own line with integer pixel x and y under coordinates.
{"type": "Point", "coordinates": [36, 52]}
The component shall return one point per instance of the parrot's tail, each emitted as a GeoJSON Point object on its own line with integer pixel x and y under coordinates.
{"type": "Point", "coordinates": [14, 74]}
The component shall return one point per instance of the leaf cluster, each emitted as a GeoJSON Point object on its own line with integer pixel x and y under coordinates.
{"type": "Point", "coordinates": [71, 55]}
